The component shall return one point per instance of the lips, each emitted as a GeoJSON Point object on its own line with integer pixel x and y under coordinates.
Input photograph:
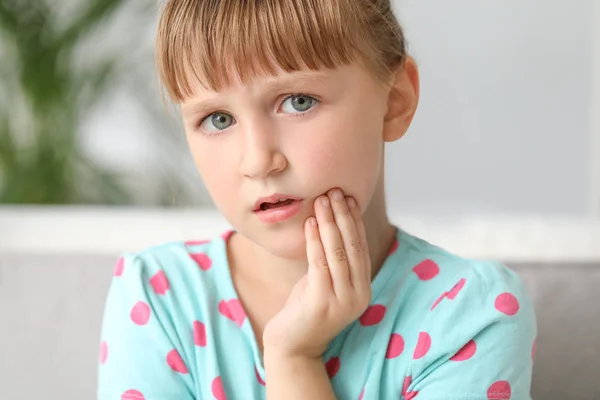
{"type": "Point", "coordinates": [277, 209]}
{"type": "Point", "coordinates": [274, 201]}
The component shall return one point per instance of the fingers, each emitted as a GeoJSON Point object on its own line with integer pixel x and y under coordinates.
{"type": "Point", "coordinates": [355, 247]}
{"type": "Point", "coordinates": [334, 248]}
{"type": "Point", "coordinates": [319, 279]}
{"type": "Point", "coordinates": [362, 237]}
{"type": "Point", "coordinates": [337, 247]}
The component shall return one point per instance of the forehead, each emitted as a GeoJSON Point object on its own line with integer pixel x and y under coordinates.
{"type": "Point", "coordinates": [268, 82]}
{"type": "Point", "coordinates": [282, 81]}
{"type": "Point", "coordinates": [264, 81]}
{"type": "Point", "coordinates": [203, 98]}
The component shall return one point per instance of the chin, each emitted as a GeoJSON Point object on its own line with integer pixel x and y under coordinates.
{"type": "Point", "coordinates": [288, 241]}
{"type": "Point", "coordinates": [291, 250]}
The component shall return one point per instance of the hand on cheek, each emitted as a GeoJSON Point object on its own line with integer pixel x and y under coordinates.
{"type": "Point", "coordinates": [337, 287]}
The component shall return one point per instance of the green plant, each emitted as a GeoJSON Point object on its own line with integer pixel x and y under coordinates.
{"type": "Point", "coordinates": [44, 95]}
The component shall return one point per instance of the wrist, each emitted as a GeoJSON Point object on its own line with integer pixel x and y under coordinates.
{"type": "Point", "coordinates": [278, 357]}
{"type": "Point", "coordinates": [296, 376]}
{"type": "Point", "coordinates": [281, 349]}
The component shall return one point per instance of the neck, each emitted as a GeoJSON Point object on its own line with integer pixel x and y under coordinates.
{"type": "Point", "coordinates": [284, 273]}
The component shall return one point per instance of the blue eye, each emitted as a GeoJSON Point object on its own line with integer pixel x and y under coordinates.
{"type": "Point", "coordinates": [219, 121]}
{"type": "Point", "coordinates": [216, 122]}
{"type": "Point", "coordinates": [300, 103]}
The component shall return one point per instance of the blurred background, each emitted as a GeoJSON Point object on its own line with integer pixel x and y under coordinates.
{"type": "Point", "coordinates": [81, 116]}
{"type": "Point", "coordinates": [502, 161]}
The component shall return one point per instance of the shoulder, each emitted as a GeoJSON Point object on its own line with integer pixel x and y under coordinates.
{"type": "Point", "coordinates": [458, 297]}
{"type": "Point", "coordinates": [473, 324]}
{"type": "Point", "coordinates": [443, 275]}
{"type": "Point", "coordinates": [174, 258]}
{"type": "Point", "coordinates": [170, 276]}
{"type": "Point", "coordinates": [151, 318]}
{"type": "Point", "coordinates": [451, 296]}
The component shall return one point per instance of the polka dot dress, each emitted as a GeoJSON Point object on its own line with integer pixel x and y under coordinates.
{"type": "Point", "coordinates": [438, 327]}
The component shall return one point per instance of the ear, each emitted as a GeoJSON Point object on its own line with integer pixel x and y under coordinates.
{"type": "Point", "coordinates": [403, 98]}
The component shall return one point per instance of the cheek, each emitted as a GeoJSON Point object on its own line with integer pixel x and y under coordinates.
{"type": "Point", "coordinates": [348, 156]}
{"type": "Point", "coordinates": [214, 165]}
{"type": "Point", "coordinates": [203, 158]}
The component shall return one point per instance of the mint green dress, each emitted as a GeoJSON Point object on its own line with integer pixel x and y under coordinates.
{"type": "Point", "coordinates": [439, 327]}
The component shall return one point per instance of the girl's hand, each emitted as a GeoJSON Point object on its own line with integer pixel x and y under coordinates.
{"type": "Point", "coordinates": [337, 288]}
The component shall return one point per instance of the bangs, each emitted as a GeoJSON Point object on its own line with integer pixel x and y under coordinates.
{"type": "Point", "coordinates": [211, 42]}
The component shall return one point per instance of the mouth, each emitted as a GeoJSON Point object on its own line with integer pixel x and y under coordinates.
{"type": "Point", "coordinates": [274, 201]}
{"type": "Point", "coordinates": [277, 208]}
{"type": "Point", "coordinates": [280, 203]}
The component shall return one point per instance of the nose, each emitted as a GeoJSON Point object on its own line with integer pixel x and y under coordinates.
{"type": "Point", "coordinates": [261, 156]}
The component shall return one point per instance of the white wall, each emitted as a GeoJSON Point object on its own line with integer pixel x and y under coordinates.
{"type": "Point", "coordinates": [505, 118]}
{"type": "Point", "coordinates": [594, 196]}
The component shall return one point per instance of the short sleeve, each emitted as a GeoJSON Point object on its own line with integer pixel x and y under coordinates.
{"type": "Point", "coordinates": [478, 340]}
{"type": "Point", "coordinates": [141, 354]}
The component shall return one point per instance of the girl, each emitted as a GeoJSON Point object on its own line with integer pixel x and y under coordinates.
{"type": "Point", "coordinates": [314, 294]}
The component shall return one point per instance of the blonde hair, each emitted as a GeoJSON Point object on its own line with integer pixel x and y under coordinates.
{"type": "Point", "coordinates": [198, 40]}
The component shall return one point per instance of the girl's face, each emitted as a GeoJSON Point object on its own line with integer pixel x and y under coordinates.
{"type": "Point", "coordinates": [296, 134]}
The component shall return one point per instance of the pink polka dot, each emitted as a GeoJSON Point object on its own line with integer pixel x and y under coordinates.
{"type": "Point", "coordinates": [507, 304]}
{"type": "Point", "coordinates": [332, 366]}
{"type": "Point", "coordinates": [438, 300]}
{"type": "Point", "coordinates": [103, 352]}
{"type": "Point", "coordinates": [233, 310]}
{"type": "Point", "coordinates": [160, 283]}
{"type": "Point", "coordinates": [217, 389]}
{"type": "Point", "coordinates": [426, 270]}
{"type": "Point", "coordinates": [407, 381]}
{"type": "Point", "coordinates": [176, 363]}
{"type": "Point", "coordinates": [199, 334]}
{"type": "Point", "coordinates": [395, 346]}
{"type": "Point", "coordinates": [457, 288]}
{"type": "Point", "coordinates": [196, 242]}
{"type": "Point", "coordinates": [451, 295]}
{"type": "Point", "coordinates": [258, 378]}
{"type": "Point", "coordinates": [132, 394]}
{"type": "Point", "coordinates": [119, 266]}
{"type": "Point", "coordinates": [423, 345]}
{"type": "Point", "coordinates": [203, 260]}
{"type": "Point", "coordinates": [533, 349]}
{"type": "Point", "coordinates": [227, 235]}
{"type": "Point", "coordinates": [411, 395]}
{"type": "Point", "coordinates": [140, 313]}
{"type": "Point", "coordinates": [362, 394]}
{"type": "Point", "coordinates": [466, 352]}
{"type": "Point", "coordinates": [373, 315]}
{"type": "Point", "coordinates": [394, 247]}
{"type": "Point", "coordinates": [405, 393]}
{"type": "Point", "coordinates": [499, 391]}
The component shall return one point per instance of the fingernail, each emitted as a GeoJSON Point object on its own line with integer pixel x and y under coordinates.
{"type": "Point", "coordinates": [351, 202]}
{"type": "Point", "coordinates": [337, 194]}
{"type": "Point", "coordinates": [325, 201]}
{"type": "Point", "coordinates": [313, 221]}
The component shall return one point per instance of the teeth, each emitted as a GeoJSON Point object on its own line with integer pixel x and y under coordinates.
{"type": "Point", "coordinates": [265, 205]}
{"type": "Point", "coordinates": [280, 200]}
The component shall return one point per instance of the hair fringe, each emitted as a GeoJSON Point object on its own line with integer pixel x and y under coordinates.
{"type": "Point", "coordinates": [211, 42]}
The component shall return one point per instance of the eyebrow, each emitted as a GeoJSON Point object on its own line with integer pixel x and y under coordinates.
{"type": "Point", "coordinates": [275, 84]}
